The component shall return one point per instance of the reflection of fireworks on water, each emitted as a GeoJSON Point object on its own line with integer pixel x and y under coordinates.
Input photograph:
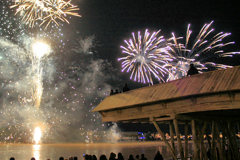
{"type": "Point", "coordinates": [46, 11]}
{"type": "Point", "coordinates": [198, 51]}
{"type": "Point", "coordinates": [146, 57]}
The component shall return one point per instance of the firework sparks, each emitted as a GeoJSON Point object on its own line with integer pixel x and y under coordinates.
{"type": "Point", "coordinates": [46, 11]}
{"type": "Point", "coordinates": [199, 51]}
{"type": "Point", "coordinates": [146, 56]}
{"type": "Point", "coordinates": [67, 93]}
{"type": "Point", "coordinates": [62, 93]}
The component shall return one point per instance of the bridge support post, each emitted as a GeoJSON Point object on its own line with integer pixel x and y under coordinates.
{"type": "Point", "coordinates": [172, 135]}
{"type": "Point", "coordinates": [164, 139]}
{"type": "Point", "coordinates": [186, 140]}
{"type": "Point", "coordinates": [195, 145]}
{"type": "Point", "coordinates": [180, 148]}
{"type": "Point", "coordinates": [203, 151]}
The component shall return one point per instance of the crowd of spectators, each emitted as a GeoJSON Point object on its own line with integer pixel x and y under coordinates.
{"type": "Point", "coordinates": [191, 71]}
{"type": "Point", "coordinates": [124, 89]}
{"type": "Point", "coordinates": [112, 156]}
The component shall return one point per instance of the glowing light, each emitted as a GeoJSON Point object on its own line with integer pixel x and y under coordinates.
{"type": "Point", "coordinates": [37, 135]}
{"type": "Point", "coordinates": [146, 56]}
{"type": "Point", "coordinates": [199, 51]}
{"type": "Point", "coordinates": [40, 49]}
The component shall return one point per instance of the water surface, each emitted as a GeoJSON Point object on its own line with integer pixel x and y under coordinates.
{"type": "Point", "coordinates": [54, 151]}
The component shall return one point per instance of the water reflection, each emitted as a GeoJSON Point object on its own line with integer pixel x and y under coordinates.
{"type": "Point", "coordinates": [36, 151]}
{"type": "Point", "coordinates": [54, 151]}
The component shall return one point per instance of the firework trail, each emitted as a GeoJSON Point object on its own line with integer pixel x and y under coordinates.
{"type": "Point", "coordinates": [146, 56]}
{"type": "Point", "coordinates": [40, 50]}
{"type": "Point", "coordinates": [45, 11]}
{"type": "Point", "coordinates": [199, 51]}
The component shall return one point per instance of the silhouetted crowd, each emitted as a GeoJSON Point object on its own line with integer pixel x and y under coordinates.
{"type": "Point", "coordinates": [124, 89]}
{"type": "Point", "coordinates": [112, 156]}
{"type": "Point", "coordinates": [191, 71]}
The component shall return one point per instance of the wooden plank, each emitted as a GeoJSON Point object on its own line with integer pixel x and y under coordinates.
{"type": "Point", "coordinates": [135, 113]}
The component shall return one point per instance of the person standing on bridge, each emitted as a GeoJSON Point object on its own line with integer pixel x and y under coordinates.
{"type": "Point", "coordinates": [192, 70]}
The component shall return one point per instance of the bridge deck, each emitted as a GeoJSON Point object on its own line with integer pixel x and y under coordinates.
{"type": "Point", "coordinates": [211, 91]}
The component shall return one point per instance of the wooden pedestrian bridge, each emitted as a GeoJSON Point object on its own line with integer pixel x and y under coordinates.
{"type": "Point", "coordinates": [208, 103]}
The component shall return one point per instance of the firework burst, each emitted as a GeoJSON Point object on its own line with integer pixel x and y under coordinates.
{"type": "Point", "coordinates": [45, 11]}
{"type": "Point", "coordinates": [146, 56]}
{"type": "Point", "coordinates": [199, 51]}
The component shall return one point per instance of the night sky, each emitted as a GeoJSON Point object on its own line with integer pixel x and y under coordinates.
{"type": "Point", "coordinates": [75, 80]}
{"type": "Point", "coordinates": [113, 21]}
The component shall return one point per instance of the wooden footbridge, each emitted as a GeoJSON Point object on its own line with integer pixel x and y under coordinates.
{"type": "Point", "coordinates": [206, 105]}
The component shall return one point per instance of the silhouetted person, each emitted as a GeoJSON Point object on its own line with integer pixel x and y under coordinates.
{"type": "Point", "coordinates": [103, 157]}
{"type": "Point", "coordinates": [12, 158]}
{"type": "Point", "coordinates": [112, 156]}
{"type": "Point", "coordinates": [61, 158]}
{"type": "Point", "coordinates": [33, 158]}
{"type": "Point", "coordinates": [116, 91]}
{"type": "Point", "coordinates": [75, 158]}
{"type": "Point", "coordinates": [143, 157]}
{"type": "Point", "coordinates": [137, 157]}
{"type": "Point", "coordinates": [130, 157]}
{"type": "Point", "coordinates": [94, 157]}
{"type": "Point", "coordinates": [111, 92]}
{"type": "Point", "coordinates": [158, 156]}
{"type": "Point", "coordinates": [89, 157]}
{"type": "Point", "coordinates": [120, 156]}
{"type": "Point", "coordinates": [125, 88]}
{"type": "Point", "coordinates": [192, 70]}
{"type": "Point", "coordinates": [86, 157]}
